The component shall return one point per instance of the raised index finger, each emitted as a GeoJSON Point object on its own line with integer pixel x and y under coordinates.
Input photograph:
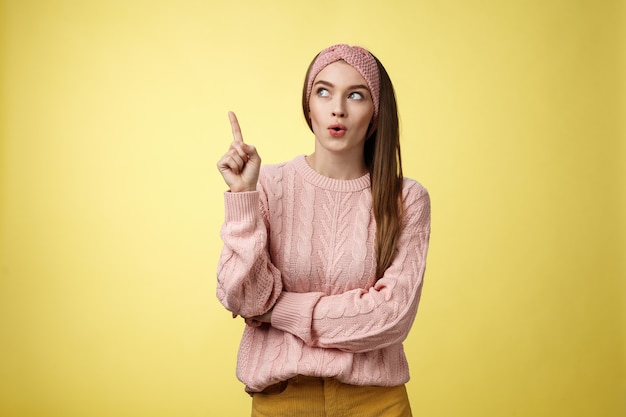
{"type": "Point", "coordinates": [234, 125]}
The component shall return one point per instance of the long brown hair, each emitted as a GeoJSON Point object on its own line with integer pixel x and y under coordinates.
{"type": "Point", "coordinates": [384, 162]}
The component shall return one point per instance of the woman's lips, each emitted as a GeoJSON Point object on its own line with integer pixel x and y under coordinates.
{"type": "Point", "coordinates": [337, 131]}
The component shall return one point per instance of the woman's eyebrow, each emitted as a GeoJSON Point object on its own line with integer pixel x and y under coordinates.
{"type": "Point", "coordinates": [352, 87]}
{"type": "Point", "coordinates": [326, 83]}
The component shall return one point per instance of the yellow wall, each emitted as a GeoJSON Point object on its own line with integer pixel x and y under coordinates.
{"type": "Point", "coordinates": [113, 116]}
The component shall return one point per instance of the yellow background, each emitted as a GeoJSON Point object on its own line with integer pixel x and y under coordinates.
{"type": "Point", "coordinates": [113, 115]}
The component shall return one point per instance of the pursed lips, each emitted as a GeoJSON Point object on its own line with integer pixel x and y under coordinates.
{"type": "Point", "coordinates": [337, 130]}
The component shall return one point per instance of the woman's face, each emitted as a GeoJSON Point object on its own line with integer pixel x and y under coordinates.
{"type": "Point", "coordinates": [340, 108]}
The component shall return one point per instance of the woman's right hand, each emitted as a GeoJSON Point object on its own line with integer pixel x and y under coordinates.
{"type": "Point", "coordinates": [241, 164]}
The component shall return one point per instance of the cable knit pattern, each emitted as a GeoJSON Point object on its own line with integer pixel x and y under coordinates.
{"type": "Point", "coordinates": [304, 244]}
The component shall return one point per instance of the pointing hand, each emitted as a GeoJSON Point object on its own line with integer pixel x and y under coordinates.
{"type": "Point", "coordinates": [241, 164]}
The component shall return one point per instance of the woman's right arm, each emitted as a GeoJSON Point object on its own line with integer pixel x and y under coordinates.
{"type": "Point", "coordinates": [248, 283]}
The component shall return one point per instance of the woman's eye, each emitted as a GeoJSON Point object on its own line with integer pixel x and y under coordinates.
{"type": "Point", "coordinates": [356, 96]}
{"type": "Point", "coordinates": [322, 92]}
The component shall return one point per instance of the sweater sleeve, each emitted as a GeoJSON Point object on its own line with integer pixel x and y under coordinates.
{"type": "Point", "coordinates": [248, 284]}
{"type": "Point", "coordinates": [363, 320]}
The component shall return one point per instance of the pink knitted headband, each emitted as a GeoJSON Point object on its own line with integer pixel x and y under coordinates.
{"type": "Point", "coordinates": [358, 58]}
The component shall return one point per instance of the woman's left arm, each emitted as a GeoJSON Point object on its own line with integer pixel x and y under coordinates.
{"type": "Point", "coordinates": [367, 319]}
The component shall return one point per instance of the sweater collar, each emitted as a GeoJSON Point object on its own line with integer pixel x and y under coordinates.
{"type": "Point", "coordinates": [331, 184]}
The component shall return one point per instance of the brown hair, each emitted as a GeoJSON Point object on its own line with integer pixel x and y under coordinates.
{"type": "Point", "coordinates": [384, 162]}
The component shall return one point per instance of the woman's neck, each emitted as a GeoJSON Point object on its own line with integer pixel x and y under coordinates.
{"type": "Point", "coordinates": [339, 167]}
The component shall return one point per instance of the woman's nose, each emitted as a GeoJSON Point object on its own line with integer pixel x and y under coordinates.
{"type": "Point", "coordinates": [339, 109]}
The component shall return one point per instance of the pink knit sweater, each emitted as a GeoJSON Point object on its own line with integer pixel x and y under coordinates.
{"type": "Point", "coordinates": [304, 244]}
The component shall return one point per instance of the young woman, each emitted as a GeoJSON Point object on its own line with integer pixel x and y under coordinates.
{"type": "Point", "coordinates": [324, 255]}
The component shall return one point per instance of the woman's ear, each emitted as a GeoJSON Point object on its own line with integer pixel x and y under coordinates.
{"type": "Point", "coordinates": [370, 130]}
